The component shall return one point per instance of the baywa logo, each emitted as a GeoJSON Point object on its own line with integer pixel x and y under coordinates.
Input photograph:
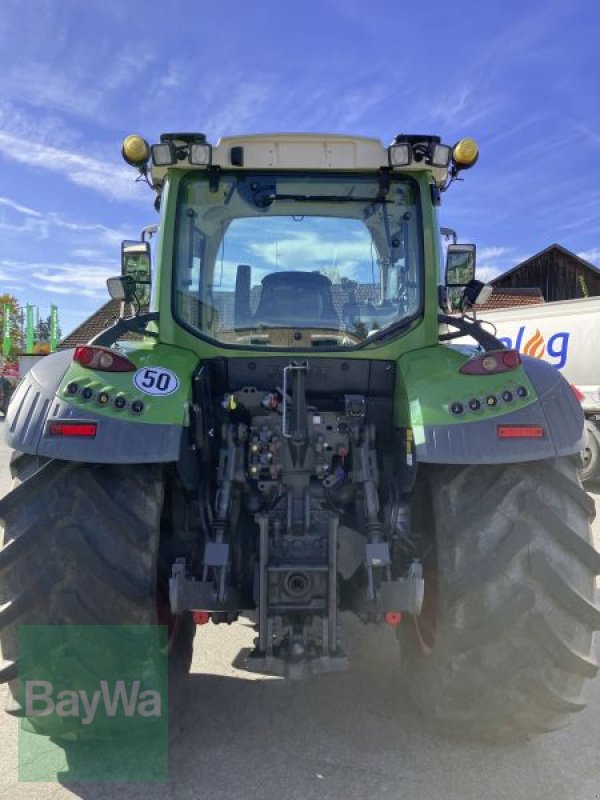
{"type": "Point", "coordinates": [41, 700]}
{"type": "Point", "coordinates": [94, 701]}
{"type": "Point", "coordinates": [554, 349]}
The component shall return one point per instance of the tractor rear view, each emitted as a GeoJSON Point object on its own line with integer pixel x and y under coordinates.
{"type": "Point", "coordinates": [295, 436]}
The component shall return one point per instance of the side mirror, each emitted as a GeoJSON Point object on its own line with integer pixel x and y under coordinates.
{"type": "Point", "coordinates": [123, 288]}
{"type": "Point", "coordinates": [460, 264]}
{"type": "Point", "coordinates": [135, 263]}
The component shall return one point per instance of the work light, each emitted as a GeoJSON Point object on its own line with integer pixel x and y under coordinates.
{"type": "Point", "coordinates": [440, 155]}
{"type": "Point", "coordinates": [200, 154]}
{"type": "Point", "coordinates": [163, 155]}
{"type": "Point", "coordinates": [399, 155]}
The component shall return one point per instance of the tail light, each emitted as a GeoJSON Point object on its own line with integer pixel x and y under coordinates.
{"type": "Point", "coordinates": [101, 358]}
{"type": "Point", "coordinates": [492, 362]}
{"type": "Point", "coordinates": [80, 429]}
{"type": "Point", "coordinates": [520, 432]}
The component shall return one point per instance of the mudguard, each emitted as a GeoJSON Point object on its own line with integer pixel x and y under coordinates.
{"type": "Point", "coordinates": [433, 384]}
{"type": "Point", "coordinates": [122, 436]}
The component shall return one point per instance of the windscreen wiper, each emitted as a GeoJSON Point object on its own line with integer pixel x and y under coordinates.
{"type": "Point", "coordinates": [327, 198]}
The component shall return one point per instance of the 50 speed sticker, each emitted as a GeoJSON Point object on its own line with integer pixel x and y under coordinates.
{"type": "Point", "coordinates": [156, 380]}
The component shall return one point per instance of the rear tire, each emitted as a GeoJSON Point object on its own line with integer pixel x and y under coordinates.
{"type": "Point", "coordinates": [505, 642]}
{"type": "Point", "coordinates": [81, 547]}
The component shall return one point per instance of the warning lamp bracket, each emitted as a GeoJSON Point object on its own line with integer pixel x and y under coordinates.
{"type": "Point", "coordinates": [137, 324]}
{"type": "Point", "coordinates": [473, 329]}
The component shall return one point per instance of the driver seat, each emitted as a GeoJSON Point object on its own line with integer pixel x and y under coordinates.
{"type": "Point", "coordinates": [296, 298]}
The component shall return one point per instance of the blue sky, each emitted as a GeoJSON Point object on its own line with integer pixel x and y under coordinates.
{"type": "Point", "coordinates": [521, 78]}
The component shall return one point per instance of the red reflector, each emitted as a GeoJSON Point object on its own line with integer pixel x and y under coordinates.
{"type": "Point", "coordinates": [511, 358]}
{"type": "Point", "coordinates": [200, 617]}
{"type": "Point", "coordinates": [520, 432]}
{"type": "Point", "coordinates": [393, 617]}
{"type": "Point", "coordinates": [83, 355]}
{"type": "Point", "coordinates": [72, 429]}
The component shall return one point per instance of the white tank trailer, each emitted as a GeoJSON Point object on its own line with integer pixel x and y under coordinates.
{"type": "Point", "coordinates": [566, 334]}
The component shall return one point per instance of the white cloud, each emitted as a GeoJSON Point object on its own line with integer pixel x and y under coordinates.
{"type": "Point", "coordinates": [465, 106]}
{"type": "Point", "coordinates": [593, 255]}
{"type": "Point", "coordinates": [356, 105]}
{"type": "Point", "coordinates": [79, 283]}
{"type": "Point", "coordinates": [489, 253]}
{"type": "Point", "coordinates": [40, 223]}
{"type": "Point", "coordinates": [110, 236]}
{"type": "Point", "coordinates": [238, 107]}
{"type": "Point", "coordinates": [107, 178]}
{"type": "Point", "coordinates": [486, 274]}
{"type": "Point", "coordinates": [49, 89]}
{"type": "Point", "coordinates": [5, 201]}
{"type": "Point", "coordinates": [493, 260]}
{"type": "Point", "coordinates": [87, 253]}
{"type": "Point", "coordinates": [307, 249]}
{"type": "Point", "coordinates": [73, 279]}
{"type": "Point", "coordinates": [125, 67]}
{"type": "Point", "coordinates": [37, 228]}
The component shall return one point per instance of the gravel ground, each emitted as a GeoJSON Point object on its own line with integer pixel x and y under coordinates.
{"type": "Point", "coordinates": [342, 737]}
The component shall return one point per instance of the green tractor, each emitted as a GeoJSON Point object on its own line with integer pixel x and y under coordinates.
{"type": "Point", "coordinates": [291, 433]}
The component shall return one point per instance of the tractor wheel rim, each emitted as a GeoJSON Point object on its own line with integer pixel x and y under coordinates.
{"type": "Point", "coordinates": [587, 456]}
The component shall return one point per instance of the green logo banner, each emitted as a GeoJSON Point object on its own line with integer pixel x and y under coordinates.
{"type": "Point", "coordinates": [53, 328]}
{"type": "Point", "coordinates": [29, 330]}
{"type": "Point", "coordinates": [95, 703]}
{"type": "Point", "coordinates": [6, 329]}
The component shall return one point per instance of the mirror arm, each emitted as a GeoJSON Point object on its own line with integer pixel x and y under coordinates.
{"type": "Point", "coordinates": [473, 329]}
{"type": "Point", "coordinates": [132, 325]}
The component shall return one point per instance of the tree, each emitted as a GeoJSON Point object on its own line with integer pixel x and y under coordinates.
{"type": "Point", "coordinates": [42, 332]}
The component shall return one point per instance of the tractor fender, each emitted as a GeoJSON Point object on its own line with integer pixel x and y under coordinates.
{"type": "Point", "coordinates": [555, 409]}
{"type": "Point", "coordinates": [35, 405]}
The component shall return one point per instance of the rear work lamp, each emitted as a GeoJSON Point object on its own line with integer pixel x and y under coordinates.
{"type": "Point", "coordinates": [399, 155]}
{"type": "Point", "coordinates": [200, 154]}
{"type": "Point", "coordinates": [440, 155]}
{"type": "Point", "coordinates": [164, 155]}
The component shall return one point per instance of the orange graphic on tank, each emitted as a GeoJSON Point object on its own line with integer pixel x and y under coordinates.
{"type": "Point", "coordinates": [535, 346]}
